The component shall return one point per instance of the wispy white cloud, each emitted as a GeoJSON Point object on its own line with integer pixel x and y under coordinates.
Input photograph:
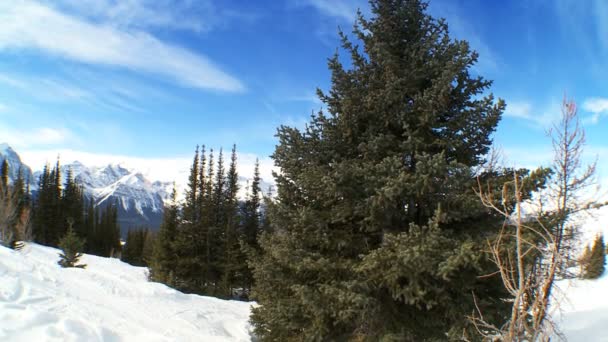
{"type": "Point", "coordinates": [312, 98]}
{"type": "Point", "coordinates": [98, 94]}
{"type": "Point", "coordinates": [346, 11]}
{"type": "Point", "coordinates": [34, 26]}
{"type": "Point", "coordinates": [341, 9]}
{"type": "Point", "coordinates": [519, 110]}
{"type": "Point", "coordinates": [541, 118]}
{"type": "Point", "coordinates": [198, 16]}
{"type": "Point", "coordinates": [13, 82]}
{"type": "Point", "coordinates": [144, 13]}
{"type": "Point", "coordinates": [41, 136]}
{"type": "Point", "coordinates": [596, 106]}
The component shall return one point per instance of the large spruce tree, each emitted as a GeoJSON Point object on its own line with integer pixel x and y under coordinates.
{"type": "Point", "coordinates": [376, 232]}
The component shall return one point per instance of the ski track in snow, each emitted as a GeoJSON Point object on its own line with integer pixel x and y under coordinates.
{"type": "Point", "coordinates": [108, 301]}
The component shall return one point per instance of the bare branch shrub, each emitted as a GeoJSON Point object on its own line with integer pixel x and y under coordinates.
{"type": "Point", "coordinates": [14, 219]}
{"type": "Point", "coordinates": [536, 245]}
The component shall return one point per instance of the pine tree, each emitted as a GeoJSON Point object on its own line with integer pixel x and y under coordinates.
{"type": "Point", "coordinates": [56, 220]}
{"type": "Point", "coordinates": [49, 222]}
{"type": "Point", "coordinates": [215, 231]}
{"type": "Point", "coordinates": [147, 251]}
{"type": "Point", "coordinates": [252, 224]}
{"type": "Point", "coordinates": [597, 259]}
{"type": "Point", "coordinates": [210, 213]}
{"type": "Point", "coordinates": [72, 204]}
{"type": "Point", "coordinates": [232, 256]}
{"type": "Point", "coordinates": [190, 265]}
{"type": "Point", "coordinates": [138, 248]}
{"type": "Point", "coordinates": [39, 229]}
{"type": "Point", "coordinates": [163, 265]}
{"type": "Point", "coordinates": [89, 225]}
{"type": "Point", "coordinates": [251, 210]}
{"type": "Point", "coordinates": [190, 207]}
{"type": "Point", "coordinates": [103, 230]}
{"type": "Point", "coordinates": [71, 246]}
{"type": "Point", "coordinates": [202, 187]}
{"type": "Point", "coordinates": [132, 250]}
{"type": "Point", "coordinates": [376, 233]}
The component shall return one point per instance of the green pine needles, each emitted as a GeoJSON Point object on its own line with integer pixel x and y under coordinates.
{"type": "Point", "coordinates": [204, 245]}
{"type": "Point", "coordinates": [376, 233]}
{"type": "Point", "coordinates": [594, 259]}
{"type": "Point", "coordinates": [71, 246]}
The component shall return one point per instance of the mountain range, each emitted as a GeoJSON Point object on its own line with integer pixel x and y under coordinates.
{"type": "Point", "coordinates": [140, 201]}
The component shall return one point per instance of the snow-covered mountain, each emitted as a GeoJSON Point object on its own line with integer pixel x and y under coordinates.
{"type": "Point", "coordinates": [140, 201]}
{"type": "Point", "coordinates": [14, 163]}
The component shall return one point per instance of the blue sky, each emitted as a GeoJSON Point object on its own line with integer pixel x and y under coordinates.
{"type": "Point", "coordinates": [146, 80]}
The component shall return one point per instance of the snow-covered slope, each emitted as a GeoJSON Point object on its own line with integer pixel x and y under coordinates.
{"type": "Point", "coordinates": [107, 301]}
{"type": "Point", "coordinates": [583, 312]}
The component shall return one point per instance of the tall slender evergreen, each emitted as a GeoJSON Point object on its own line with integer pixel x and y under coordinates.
{"type": "Point", "coordinates": [232, 256]}
{"type": "Point", "coordinates": [163, 265]}
{"type": "Point", "coordinates": [190, 207]}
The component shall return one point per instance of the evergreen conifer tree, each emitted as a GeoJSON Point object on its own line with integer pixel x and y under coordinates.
{"type": "Point", "coordinates": [252, 224]}
{"type": "Point", "coordinates": [190, 207]}
{"type": "Point", "coordinates": [376, 233]}
{"type": "Point", "coordinates": [232, 256]}
{"type": "Point", "coordinates": [138, 248]}
{"type": "Point", "coordinates": [72, 204]}
{"type": "Point", "coordinates": [202, 186]}
{"type": "Point", "coordinates": [215, 232]}
{"type": "Point", "coordinates": [189, 243]}
{"type": "Point", "coordinates": [71, 246]}
{"type": "Point", "coordinates": [597, 259]}
{"type": "Point", "coordinates": [251, 209]}
{"type": "Point", "coordinates": [163, 265]}
{"type": "Point", "coordinates": [48, 222]}
{"type": "Point", "coordinates": [56, 220]}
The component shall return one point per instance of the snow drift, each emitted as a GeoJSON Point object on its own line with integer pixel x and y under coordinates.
{"type": "Point", "coordinates": [107, 301]}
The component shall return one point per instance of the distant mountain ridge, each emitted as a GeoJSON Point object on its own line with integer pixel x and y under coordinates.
{"type": "Point", "coordinates": [15, 165]}
{"type": "Point", "coordinates": [140, 201]}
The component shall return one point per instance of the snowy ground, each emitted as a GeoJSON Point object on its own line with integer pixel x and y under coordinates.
{"type": "Point", "coordinates": [583, 309]}
{"type": "Point", "coordinates": [113, 301]}
{"type": "Point", "coordinates": [584, 316]}
{"type": "Point", "coordinates": [107, 301]}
